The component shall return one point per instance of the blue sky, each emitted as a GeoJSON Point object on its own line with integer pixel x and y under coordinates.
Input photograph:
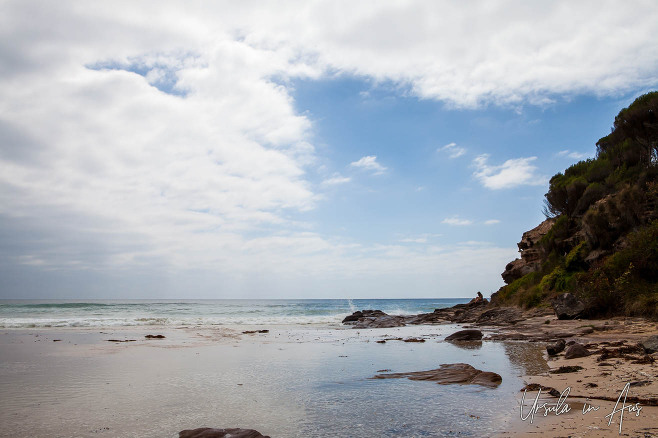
{"type": "Point", "coordinates": [328, 149]}
{"type": "Point", "coordinates": [423, 184]}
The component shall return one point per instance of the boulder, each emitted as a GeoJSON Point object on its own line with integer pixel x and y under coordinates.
{"type": "Point", "coordinates": [465, 335]}
{"type": "Point", "coordinates": [447, 374]}
{"type": "Point", "coordinates": [209, 432]}
{"type": "Point", "coordinates": [556, 347]}
{"type": "Point", "coordinates": [576, 350]}
{"type": "Point", "coordinates": [567, 306]}
{"type": "Point", "coordinates": [354, 317]}
{"type": "Point", "coordinates": [650, 344]}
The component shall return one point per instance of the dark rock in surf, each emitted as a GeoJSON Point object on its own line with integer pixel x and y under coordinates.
{"type": "Point", "coordinates": [208, 432]}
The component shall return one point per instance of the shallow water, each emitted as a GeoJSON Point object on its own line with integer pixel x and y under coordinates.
{"type": "Point", "coordinates": [289, 383]}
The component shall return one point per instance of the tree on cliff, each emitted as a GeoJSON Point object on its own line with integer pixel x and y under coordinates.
{"type": "Point", "coordinates": [602, 240]}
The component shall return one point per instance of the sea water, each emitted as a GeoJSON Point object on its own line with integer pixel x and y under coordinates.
{"type": "Point", "coordinates": [112, 313]}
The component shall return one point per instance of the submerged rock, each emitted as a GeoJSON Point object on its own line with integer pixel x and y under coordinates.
{"type": "Point", "coordinates": [465, 335]}
{"type": "Point", "coordinates": [209, 432]}
{"type": "Point", "coordinates": [459, 373]}
{"type": "Point", "coordinates": [154, 336]}
{"type": "Point", "coordinates": [567, 306]}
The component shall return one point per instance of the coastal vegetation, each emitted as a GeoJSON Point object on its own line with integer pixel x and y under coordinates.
{"type": "Point", "coordinates": [600, 238]}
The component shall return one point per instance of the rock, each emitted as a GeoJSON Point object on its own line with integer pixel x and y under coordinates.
{"type": "Point", "coordinates": [576, 350]}
{"type": "Point", "coordinates": [251, 332]}
{"type": "Point", "coordinates": [208, 432]}
{"type": "Point", "coordinates": [555, 348]}
{"type": "Point", "coordinates": [479, 300]}
{"type": "Point", "coordinates": [386, 321]}
{"type": "Point", "coordinates": [515, 270]}
{"type": "Point", "coordinates": [650, 344]}
{"type": "Point", "coordinates": [567, 306]}
{"type": "Point", "coordinates": [465, 335]}
{"type": "Point", "coordinates": [537, 387]}
{"type": "Point", "coordinates": [500, 316]}
{"type": "Point", "coordinates": [531, 253]}
{"type": "Point", "coordinates": [154, 336]}
{"type": "Point", "coordinates": [414, 340]}
{"type": "Point", "coordinates": [375, 319]}
{"type": "Point", "coordinates": [447, 374]}
{"type": "Point", "coordinates": [566, 369]}
{"type": "Point", "coordinates": [354, 317]}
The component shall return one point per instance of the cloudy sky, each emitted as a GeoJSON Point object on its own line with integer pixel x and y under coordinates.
{"type": "Point", "coordinates": [296, 149]}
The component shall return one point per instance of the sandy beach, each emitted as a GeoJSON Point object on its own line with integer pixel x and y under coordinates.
{"type": "Point", "coordinates": [294, 381]}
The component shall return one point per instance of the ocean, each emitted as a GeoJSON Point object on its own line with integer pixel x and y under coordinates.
{"type": "Point", "coordinates": [116, 313]}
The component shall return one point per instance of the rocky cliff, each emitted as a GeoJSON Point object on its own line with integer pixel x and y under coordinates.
{"type": "Point", "coordinates": [599, 242]}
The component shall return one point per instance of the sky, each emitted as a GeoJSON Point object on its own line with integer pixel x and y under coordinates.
{"type": "Point", "coordinates": [315, 149]}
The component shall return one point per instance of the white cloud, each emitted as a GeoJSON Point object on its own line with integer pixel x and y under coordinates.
{"type": "Point", "coordinates": [453, 150]}
{"type": "Point", "coordinates": [574, 155]}
{"type": "Point", "coordinates": [369, 163]}
{"type": "Point", "coordinates": [492, 222]}
{"type": "Point", "coordinates": [511, 173]}
{"type": "Point", "coordinates": [336, 179]}
{"type": "Point", "coordinates": [150, 142]}
{"type": "Point", "coordinates": [455, 220]}
{"type": "Point", "coordinates": [414, 240]}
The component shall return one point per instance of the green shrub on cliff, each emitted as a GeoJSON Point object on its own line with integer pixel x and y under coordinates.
{"type": "Point", "coordinates": [603, 245]}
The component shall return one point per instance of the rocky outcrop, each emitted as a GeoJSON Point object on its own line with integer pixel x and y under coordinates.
{"type": "Point", "coordinates": [531, 253]}
{"type": "Point", "coordinates": [465, 335]}
{"type": "Point", "coordinates": [209, 432]}
{"type": "Point", "coordinates": [567, 306]}
{"type": "Point", "coordinates": [500, 316]}
{"type": "Point", "coordinates": [447, 374]}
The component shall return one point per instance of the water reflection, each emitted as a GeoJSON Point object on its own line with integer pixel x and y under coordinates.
{"type": "Point", "coordinates": [527, 356]}
{"type": "Point", "coordinates": [468, 345]}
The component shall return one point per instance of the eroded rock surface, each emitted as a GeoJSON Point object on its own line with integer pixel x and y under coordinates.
{"type": "Point", "coordinates": [531, 253]}
{"type": "Point", "coordinates": [447, 374]}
